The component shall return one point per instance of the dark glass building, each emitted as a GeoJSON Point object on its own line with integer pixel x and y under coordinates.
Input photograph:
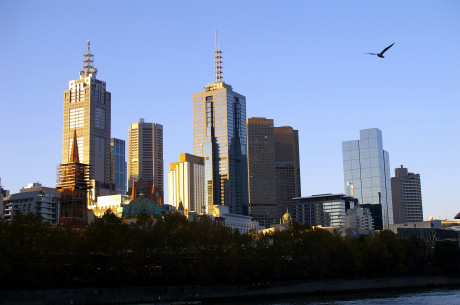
{"type": "Point", "coordinates": [119, 170]}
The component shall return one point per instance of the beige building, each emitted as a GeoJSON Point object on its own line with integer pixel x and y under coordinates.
{"type": "Point", "coordinates": [87, 110]}
{"type": "Point", "coordinates": [145, 155]}
{"type": "Point", "coordinates": [186, 184]}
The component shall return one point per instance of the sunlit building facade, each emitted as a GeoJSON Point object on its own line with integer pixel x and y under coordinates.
{"type": "Point", "coordinates": [219, 136]}
{"type": "Point", "coordinates": [87, 110]}
{"type": "Point", "coordinates": [186, 184]}
{"type": "Point", "coordinates": [145, 155]}
{"type": "Point", "coordinates": [366, 168]}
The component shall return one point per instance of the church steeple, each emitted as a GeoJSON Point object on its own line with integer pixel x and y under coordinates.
{"type": "Point", "coordinates": [74, 153]}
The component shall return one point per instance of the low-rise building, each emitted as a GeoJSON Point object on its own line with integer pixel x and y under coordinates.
{"type": "Point", "coordinates": [35, 199]}
{"type": "Point", "coordinates": [325, 210]}
{"type": "Point", "coordinates": [113, 202]}
{"type": "Point", "coordinates": [244, 224]}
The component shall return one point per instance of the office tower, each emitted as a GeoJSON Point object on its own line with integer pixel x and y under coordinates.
{"type": "Point", "coordinates": [287, 166]}
{"type": "Point", "coordinates": [366, 169]}
{"type": "Point", "coordinates": [118, 172]}
{"type": "Point", "coordinates": [407, 196]}
{"type": "Point", "coordinates": [219, 135]}
{"type": "Point", "coordinates": [73, 185]}
{"type": "Point", "coordinates": [186, 184]}
{"type": "Point", "coordinates": [87, 109]}
{"type": "Point", "coordinates": [145, 157]}
{"type": "Point", "coordinates": [262, 171]}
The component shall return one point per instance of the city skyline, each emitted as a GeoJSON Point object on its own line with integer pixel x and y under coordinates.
{"type": "Point", "coordinates": [310, 62]}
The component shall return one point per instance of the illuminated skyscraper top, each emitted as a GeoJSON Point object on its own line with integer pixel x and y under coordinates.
{"type": "Point", "coordinates": [87, 110]}
{"type": "Point", "coordinates": [219, 135]}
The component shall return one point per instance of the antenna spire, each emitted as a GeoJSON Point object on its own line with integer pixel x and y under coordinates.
{"type": "Point", "coordinates": [218, 60]}
{"type": "Point", "coordinates": [88, 60]}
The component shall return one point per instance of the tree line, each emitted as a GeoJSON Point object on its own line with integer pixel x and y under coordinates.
{"type": "Point", "coordinates": [175, 251]}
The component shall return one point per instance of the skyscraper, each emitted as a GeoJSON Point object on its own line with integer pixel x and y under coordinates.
{"type": "Point", "coordinates": [87, 109]}
{"type": "Point", "coordinates": [287, 166]}
{"type": "Point", "coordinates": [219, 135]}
{"type": "Point", "coordinates": [119, 171]}
{"type": "Point", "coordinates": [407, 196]}
{"type": "Point", "coordinates": [367, 175]}
{"type": "Point", "coordinates": [145, 155]}
{"type": "Point", "coordinates": [186, 184]}
{"type": "Point", "coordinates": [262, 180]}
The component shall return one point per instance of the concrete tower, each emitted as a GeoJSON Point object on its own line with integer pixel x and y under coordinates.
{"type": "Point", "coordinates": [87, 110]}
{"type": "Point", "coordinates": [145, 157]}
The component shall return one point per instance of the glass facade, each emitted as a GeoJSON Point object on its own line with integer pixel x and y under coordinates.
{"type": "Point", "coordinates": [327, 210]}
{"type": "Point", "coordinates": [219, 135]}
{"type": "Point", "coordinates": [366, 168]}
{"type": "Point", "coordinates": [119, 167]}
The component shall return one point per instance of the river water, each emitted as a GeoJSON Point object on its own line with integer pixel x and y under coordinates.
{"type": "Point", "coordinates": [416, 297]}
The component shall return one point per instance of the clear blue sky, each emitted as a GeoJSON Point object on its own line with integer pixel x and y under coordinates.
{"type": "Point", "coordinates": [300, 63]}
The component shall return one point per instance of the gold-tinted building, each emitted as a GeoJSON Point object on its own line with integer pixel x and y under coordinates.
{"type": "Point", "coordinates": [219, 135]}
{"type": "Point", "coordinates": [186, 184]}
{"type": "Point", "coordinates": [262, 171]}
{"type": "Point", "coordinates": [87, 110]}
{"type": "Point", "coordinates": [145, 156]}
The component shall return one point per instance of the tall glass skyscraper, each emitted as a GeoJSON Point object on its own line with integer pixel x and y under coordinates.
{"type": "Point", "coordinates": [366, 167]}
{"type": "Point", "coordinates": [219, 135]}
{"type": "Point", "coordinates": [119, 172]}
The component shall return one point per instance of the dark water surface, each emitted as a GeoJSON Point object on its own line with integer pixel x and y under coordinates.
{"type": "Point", "coordinates": [419, 297]}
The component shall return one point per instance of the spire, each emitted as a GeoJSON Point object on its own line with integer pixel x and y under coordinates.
{"type": "Point", "coordinates": [88, 60]}
{"type": "Point", "coordinates": [218, 60]}
{"type": "Point", "coordinates": [74, 153]}
{"type": "Point", "coordinates": [133, 190]}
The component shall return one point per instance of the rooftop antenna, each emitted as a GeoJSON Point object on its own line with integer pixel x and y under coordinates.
{"type": "Point", "coordinates": [88, 60]}
{"type": "Point", "coordinates": [218, 59]}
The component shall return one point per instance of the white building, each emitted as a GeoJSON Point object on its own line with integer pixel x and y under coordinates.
{"type": "Point", "coordinates": [244, 224]}
{"type": "Point", "coordinates": [113, 202]}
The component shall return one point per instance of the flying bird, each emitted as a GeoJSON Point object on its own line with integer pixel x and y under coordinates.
{"type": "Point", "coordinates": [381, 53]}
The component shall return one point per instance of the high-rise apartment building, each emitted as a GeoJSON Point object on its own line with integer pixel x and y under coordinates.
{"type": "Point", "coordinates": [262, 180]}
{"type": "Point", "coordinates": [366, 168]}
{"type": "Point", "coordinates": [219, 135]}
{"type": "Point", "coordinates": [145, 155]}
{"type": "Point", "coordinates": [119, 170]}
{"type": "Point", "coordinates": [87, 110]}
{"type": "Point", "coordinates": [287, 166]}
{"type": "Point", "coordinates": [186, 184]}
{"type": "Point", "coordinates": [407, 196]}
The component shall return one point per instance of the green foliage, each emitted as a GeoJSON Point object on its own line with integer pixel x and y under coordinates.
{"type": "Point", "coordinates": [173, 250]}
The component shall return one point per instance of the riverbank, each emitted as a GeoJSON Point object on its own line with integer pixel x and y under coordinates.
{"type": "Point", "coordinates": [184, 294]}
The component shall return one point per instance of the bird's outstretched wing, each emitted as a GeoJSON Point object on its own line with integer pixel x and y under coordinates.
{"type": "Point", "coordinates": [384, 50]}
{"type": "Point", "coordinates": [371, 53]}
